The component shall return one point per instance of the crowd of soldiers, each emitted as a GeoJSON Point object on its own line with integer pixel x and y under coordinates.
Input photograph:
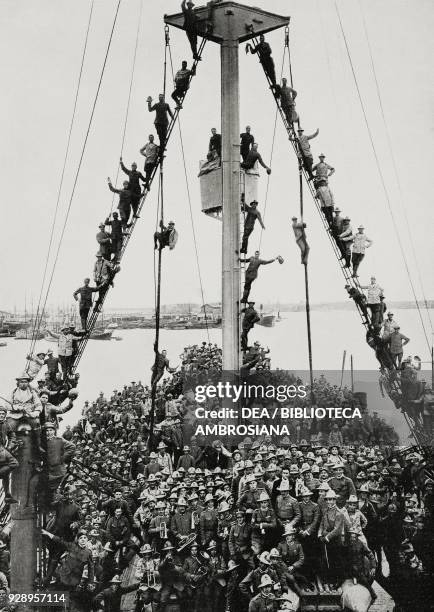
{"type": "Point", "coordinates": [183, 520]}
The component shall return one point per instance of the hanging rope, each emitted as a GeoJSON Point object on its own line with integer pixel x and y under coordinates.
{"type": "Point", "coordinates": [187, 184]}
{"type": "Point", "coordinates": [395, 167]}
{"type": "Point", "coordinates": [81, 157]}
{"type": "Point", "coordinates": [38, 319]}
{"type": "Point", "coordinates": [127, 111]}
{"type": "Point", "coordinates": [377, 161]}
{"type": "Point", "coordinates": [285, 46]}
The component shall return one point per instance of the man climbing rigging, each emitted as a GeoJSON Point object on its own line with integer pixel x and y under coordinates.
{"type": "Point", "coordinates": [182, 83]}
{"type": "Point", "coordinates": [162, 109]}
{"type": "Point", "coordinates": [263, 50]}
{"type": "Point", "coordinates": [85, 303]}
{"type": "Point", "coordinates": [250, 318]}
{"type": "Point", "coordinates": [160, 365]}
{"type": "Point", "coordinates": [305, 151]}
{"type": "Point", "coordinates": [103, 238]}
{"type": "Point", "coordinates": [374, 302]}
{"type": "Point", "coordinates": [249, 223]}
{"type": "Point", "coordinates": [115, 235]}
{"type": "Point", "coordinates": [167, 236]}
{"type": "Point", "coordinates": [247, 141]}
{"type": "Point", "coordinates": [360, 244]}
{"type": "Point", "coordinates": [287, 97]}
{"type": "Point", "coordinates": [253, 157]}
{"type": "Point", "coordinates": [190, 26]}
{"type": "Point", "coordinates": [252, 271]}
{"type": "Point", "coordinates": [346, 238]}
{"type": "Point", "coordinates": [125, 199]}
{"type": "Point", "coordinates": [134, 179]}
{"type": "Point", "coordinates": [150, 152]}
{"type": "Point", "coordinates": [300, 239]}
{"type": "Point", "coordinates": [322, 171]}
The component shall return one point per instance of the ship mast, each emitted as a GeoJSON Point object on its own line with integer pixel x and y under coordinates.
{"type": "Point", "coordinates": [229, 24]}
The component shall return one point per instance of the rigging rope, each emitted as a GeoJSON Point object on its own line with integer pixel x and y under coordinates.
{"type": "Point", "coordinates": [81, 155]}
{"type": "Point", "coordinates": [139, 22]}
{"type": "Point", "coordinates": [38, 319]}
{"type": "Point", "coordinates": [377, 161]}
{"type": "Point", "coordinates": [187, 184]}
{"type": "Point", "coordinates": [395, 167]}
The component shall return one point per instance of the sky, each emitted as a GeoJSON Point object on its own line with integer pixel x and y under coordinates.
{"type": "Point", "coordinates": [41, 45]}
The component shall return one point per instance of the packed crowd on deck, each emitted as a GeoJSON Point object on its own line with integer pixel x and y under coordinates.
{"type": "Point", "coordinates": [251, 525]}
{"type": "Point", "coordinates": [227, 525]}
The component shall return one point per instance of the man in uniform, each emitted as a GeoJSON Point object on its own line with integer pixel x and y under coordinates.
{"type": "Point", "coordinates": [240, 537]}
{"type": "Point", "coordinates": [360, 244]}
{"type": "Point", "coordinates": [25, 407]}
{"type": "Point", "coordinates": [287, 507]}
{"type": "Point", "coordinates": [305, 151]}
{"type": "Point", "coordinates": [341, 485]}
{"type": "Point", "coordinates": [58, 453]}
{"type": "Point", "coordinates": [309, 521]}
{"type": "Point", "coordinates": [265, 600]}
{"type": "Point", "coordinates": [167, 236]}
{"type": "Point", "coordinates": [161, 363]}
{"type": "Point", "coordinates": [252, 272]}
{"type": "Point", "coordinates": [8, 463]}
{"type": "Point", "coordinates": [85, 303]}
{"type": "Point", "coordinates": [361, 562]}
{"type": "Point", "coordinates": [182, 83]}
{"type": "Point", "coordinates": [330, 534]}
{"type": "Point", "coordinates": [263, 50]}
{"type": "Point", "coordinates": [247, 140]}
{"type": "Point", "coordinates": [162, 109]}
{"type": "Point", "coordinates": [125, 201]}
{"type": "Point", "coordinates": [190, 26]}
{"type": "Point", "coordinates": [115, 235]}
{"type": "Point", "coordinates": [150, 153]}
{"type": "Point", "coordinates": [252, 214]}
{"type": "Point", "coordinates": [254, 156]}
{"type": "Point", "coordinates": [250, 318]}
{"type": "Point", "coordinates": [134, 178]}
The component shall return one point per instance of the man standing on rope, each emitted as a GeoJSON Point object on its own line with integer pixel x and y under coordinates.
{"type": "Point", "coordinates": [190, 26]}
{"type": "Point", "coordinates": [250, 318]}
{"type": "Point", "coordinates": [134, 179]}
{"type": "Point", "coordinates": [249, 222]}
{"type": "Point", "coordinates": [287, 101]}
{"type": "Point", "coordinates": [85, 293]}
{"type": "Point", "coordinates": [305, 151]}
{"type": "Point", "coordinates": [361, 243]}
{"type": "Point", "coordinates": [167, 236]}
{"type": "Point", "coordinates": [125, 199]}
{"type": "Point", "coordinates": [162, 109]}
{"type": "Point", "coordinates": [182, 83]}
{"type": "Point", "coordinates": [161, 363]}
{"type": "Point", "coordinates": [300, 238]}
{"type": "Point", "coordinates": [115, 235]}
{"type": "Point", "coordinates": [253, 157]}
{"type": "Point", "coordinates": [263, 50]}
{"type": "Point", "coordinates": [252, 272]}
{"type": "Point", "coordinates": [150, 152]}
{"type": "Point", "coordinates": [247, 141]}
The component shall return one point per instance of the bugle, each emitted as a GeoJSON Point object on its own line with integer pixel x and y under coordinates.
{"type": "Point", "coordinates": [163, 530]}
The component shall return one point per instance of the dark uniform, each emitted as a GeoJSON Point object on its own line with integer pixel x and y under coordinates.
{"type": "Point", "coordinates": [250, 318]}
{"type": "Point", "coordinates": [249, 224]}
{"type": "Point", "coordinates": [247, 140]}
{"type": "Point", "coordinates": [134, 180]}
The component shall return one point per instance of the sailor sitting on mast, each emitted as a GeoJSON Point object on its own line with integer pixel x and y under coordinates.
{"type": "Point", "coordinates": [167, 236]}
{"type": "Point", "coordinates": [247, 141]}
{"type": "Point", "coordinates": [249, 223]}
{"type": "Point", "coordinates": [253, 157]}
{"type": "Point", "coordinates": [252, 271]}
